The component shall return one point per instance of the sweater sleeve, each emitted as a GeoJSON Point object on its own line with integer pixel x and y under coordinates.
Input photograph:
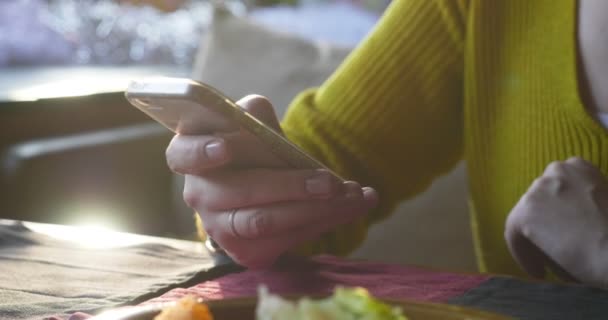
{"type": "Point", "coordinates": [391, 116]}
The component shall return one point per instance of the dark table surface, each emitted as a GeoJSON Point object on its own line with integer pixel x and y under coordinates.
{"type": "Point", "coordinates": [52, 270]}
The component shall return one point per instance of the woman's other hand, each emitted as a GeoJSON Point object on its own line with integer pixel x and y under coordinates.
{"type": "Point", "coordinates": [562, 222]}
{"type": "Point", "coordinates": [251, 203]}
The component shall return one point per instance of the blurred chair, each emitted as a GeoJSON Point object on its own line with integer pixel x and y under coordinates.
{"type": "Point", "coordinates": [117, 176]}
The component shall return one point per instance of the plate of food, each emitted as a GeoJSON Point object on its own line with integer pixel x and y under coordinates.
{"type": "Point", "coordinates": [344, 304]}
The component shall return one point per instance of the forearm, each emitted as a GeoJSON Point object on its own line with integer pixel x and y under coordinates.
{"type": "Point", "coordinates": [391, 116]}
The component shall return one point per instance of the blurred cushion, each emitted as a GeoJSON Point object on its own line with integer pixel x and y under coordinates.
{"type": "Point", "coordinates": [342, 23]}
{"type": "Point", "coordinates": [241, 57]}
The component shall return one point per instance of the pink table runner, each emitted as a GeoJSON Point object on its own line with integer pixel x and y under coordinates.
{"type": "Point", "coordinates": [321, 274]}
{"type": "Point", "coordinates": [521, 299]}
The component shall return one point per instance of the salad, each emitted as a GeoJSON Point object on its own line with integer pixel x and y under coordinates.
{"type": "Point", "coordinates": [344, 304]}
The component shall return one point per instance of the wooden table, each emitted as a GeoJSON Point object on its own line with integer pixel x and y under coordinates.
{"type": "Point", "coordinates": [74, 274]}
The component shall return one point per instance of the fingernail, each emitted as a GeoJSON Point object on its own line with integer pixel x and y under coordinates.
{"type": "Point", "coordinates": [353, 190]}
{"type": "Point", "coordinates": [215, 150]}
{"type": "Point", "coordinates": [371, 196]}
{"type": "Point", "coordinates": [319, 184]}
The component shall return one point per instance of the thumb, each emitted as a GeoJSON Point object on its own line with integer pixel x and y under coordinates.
{"type": "Point", "coordinates": [261, 108]}
{"type": "Point", "coordinates": [534, 261]}
{"type": "Point", "coordinates": [525, 252]}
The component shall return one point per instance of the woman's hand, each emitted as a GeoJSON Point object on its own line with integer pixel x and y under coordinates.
{"type": "Point", "coordinates": [562, 222]}
{"type": "Point", "coordinates": [251, 204]}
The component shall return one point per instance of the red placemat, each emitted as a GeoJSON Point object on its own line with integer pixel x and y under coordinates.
{"type": "Point", "coordinates": [321, 274]}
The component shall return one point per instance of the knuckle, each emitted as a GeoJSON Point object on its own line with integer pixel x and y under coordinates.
{"type": "Point", "coordinates": [544, 181]}
{"type": "Point", "coordinates": [259, 224]}
{"type": "Point", "coordinates": [550, 185]}
{"type": "Point", "coordinates": [244, 196]}
{"type": "Point", "coordinates": [556, 168]}
{"type": "Point", "coordinates": [576, 161]}
{"type": "Point", "coordinates": [298, 184]}
{"type": "Point", "coordinates": [258, 103]}
{"type": "Point", "coordinates": [530, 199]}
{"type": "Point", "coordinates": [192, 197]}
{"type": "Point", "coordinates": [202, 194]}
{"type": "Point", "coordinates": [581, 165]}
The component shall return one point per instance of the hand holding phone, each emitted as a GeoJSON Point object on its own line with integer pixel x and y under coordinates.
{"type": "Point", "coordinates": [254, 211]}
{"type": "Point", "coordinates": [188, 107]}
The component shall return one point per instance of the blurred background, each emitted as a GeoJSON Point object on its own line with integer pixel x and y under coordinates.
{"type": "Point", "coordinates": [72, 151]}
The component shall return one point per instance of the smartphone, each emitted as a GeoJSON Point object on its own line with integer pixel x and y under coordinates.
{"type": "Point", "coordinates": [189, 107]}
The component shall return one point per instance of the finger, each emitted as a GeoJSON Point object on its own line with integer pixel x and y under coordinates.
{"type": "Point", "coordinates": [256, 254]}
{"type": "Point", "coordinates": [222, 190]}
{"type": "Point", "coordinates": [584, 169]}
{"type": "Point", "coordinates": [194, 154]}
{"type": "Point", "coordinates": [545, 186]}
{"type": "Point", "coordinates": [261, 108]}
{"type": "Point", "coordinates": [371, 197]}
{"type": "Point", "coordinates": [582, 164]}
{"type": "Point", "coordinates": [248, 151]}
{"type": "Point", "coordinates": [527, 255]}
{"type": "Point", "coordinates": [556, 169]}
{"type": "Point", "coordinates": [260, 253]}
{"type": "Point", "coordinates": [525, 252]}
{"type": "Point", "coordinates": [251, 151]}
{"type": "Point", "coordinates": [282, 219]}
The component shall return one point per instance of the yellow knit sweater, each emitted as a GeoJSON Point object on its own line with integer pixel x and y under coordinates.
{"type": "Point", "coordinates": [492, 81]}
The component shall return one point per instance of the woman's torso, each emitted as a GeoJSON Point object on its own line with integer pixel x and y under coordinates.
{"type": "Point", "coordinates": [524, 107]}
